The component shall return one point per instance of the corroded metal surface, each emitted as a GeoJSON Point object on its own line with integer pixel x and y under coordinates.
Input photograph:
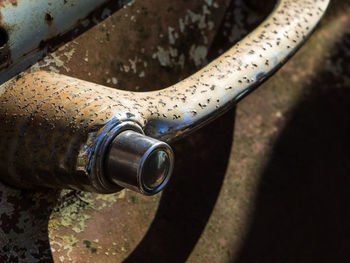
{"type": "Point", "coordinates": [174, 111]}
{"type": "Point", "coordinates": [30, 29]}
{"type": "Point", "coordinates": [54, 123]}
{"type": "Point", "coordinates": [75, 229]}
{"type": "Point", "coordinates": [80, 232]}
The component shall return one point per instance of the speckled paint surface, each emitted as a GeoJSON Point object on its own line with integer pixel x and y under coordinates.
{"type": "Point", "coordinates": [77, 225]}
{"type": "Point", "coordinates": [53, 123]}
{"type": "Point", "coordinates": [96, 57]}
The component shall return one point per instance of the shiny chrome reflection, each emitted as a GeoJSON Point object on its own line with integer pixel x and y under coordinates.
{"type": "Point", "coordinates": [155, 169]}
{"type": "Point", "coordinates": [138, 162]}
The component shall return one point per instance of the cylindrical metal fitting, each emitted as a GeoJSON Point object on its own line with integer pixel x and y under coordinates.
{"type": "Point", "coordinates": [139, 162]}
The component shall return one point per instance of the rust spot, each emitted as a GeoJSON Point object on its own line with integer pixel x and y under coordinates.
{"type": "Point", "coordinates": [48, 19]}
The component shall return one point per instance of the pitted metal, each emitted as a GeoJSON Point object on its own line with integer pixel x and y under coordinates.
{"type": "Point", "coordinates": [125, 217]}
{"type": "Point", "coordinates": [49, 118]}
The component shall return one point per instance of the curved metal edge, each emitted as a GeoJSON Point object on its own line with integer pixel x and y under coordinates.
{"type": "Point", "coordinates": [193, 102]}
{"type": "Point", "coordinates": [99, 181]}
{"type": "Point", "coordinates": [144, 189]}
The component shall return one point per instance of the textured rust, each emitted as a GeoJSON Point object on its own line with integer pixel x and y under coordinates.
{"type": "Point", "coordinates": [80, 218]}
{"type": "Point", "coordinates": [256, 120]}
{"type": "Point", "coordinates": [67, 114]}
{"type": "Point", "coordinates": [49, 118]}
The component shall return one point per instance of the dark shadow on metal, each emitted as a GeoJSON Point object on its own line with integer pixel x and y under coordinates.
{"type": "Point", "coordinates": [302, 211]}
{"type": "Point", "coordinates": [188, 202]}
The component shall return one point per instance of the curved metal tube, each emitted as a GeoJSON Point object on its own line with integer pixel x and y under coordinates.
{"type": "Point", "coordinates": [57, 130]}
{"type": "Point", "coordinates": [208, 93]}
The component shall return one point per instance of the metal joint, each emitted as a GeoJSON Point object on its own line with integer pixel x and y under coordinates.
{"type": "Point", "coordinates": [125, 157]}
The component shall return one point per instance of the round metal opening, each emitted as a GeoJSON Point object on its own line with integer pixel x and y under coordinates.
{"type": "Point", "coordinates": [155, 169]}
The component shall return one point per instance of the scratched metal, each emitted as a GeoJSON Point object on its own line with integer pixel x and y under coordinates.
{"type": "Point", "coordinates": [52, 123]}
{"type": "Point", "coordinates": [29, 29]}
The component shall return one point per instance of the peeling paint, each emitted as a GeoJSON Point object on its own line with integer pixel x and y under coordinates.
{"type": "Point", "coordinates": [198, 54]}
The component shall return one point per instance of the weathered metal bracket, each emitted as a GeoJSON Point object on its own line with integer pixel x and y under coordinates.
{"type": "Point", "coordinates": [59, 131]}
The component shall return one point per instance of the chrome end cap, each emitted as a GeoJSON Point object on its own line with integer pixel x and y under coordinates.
{"type": "Point", "coordinates": [138, 162]}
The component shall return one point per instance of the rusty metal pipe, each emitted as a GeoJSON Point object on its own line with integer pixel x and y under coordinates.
{"type": "Point", "coordinates": [58, 131]}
